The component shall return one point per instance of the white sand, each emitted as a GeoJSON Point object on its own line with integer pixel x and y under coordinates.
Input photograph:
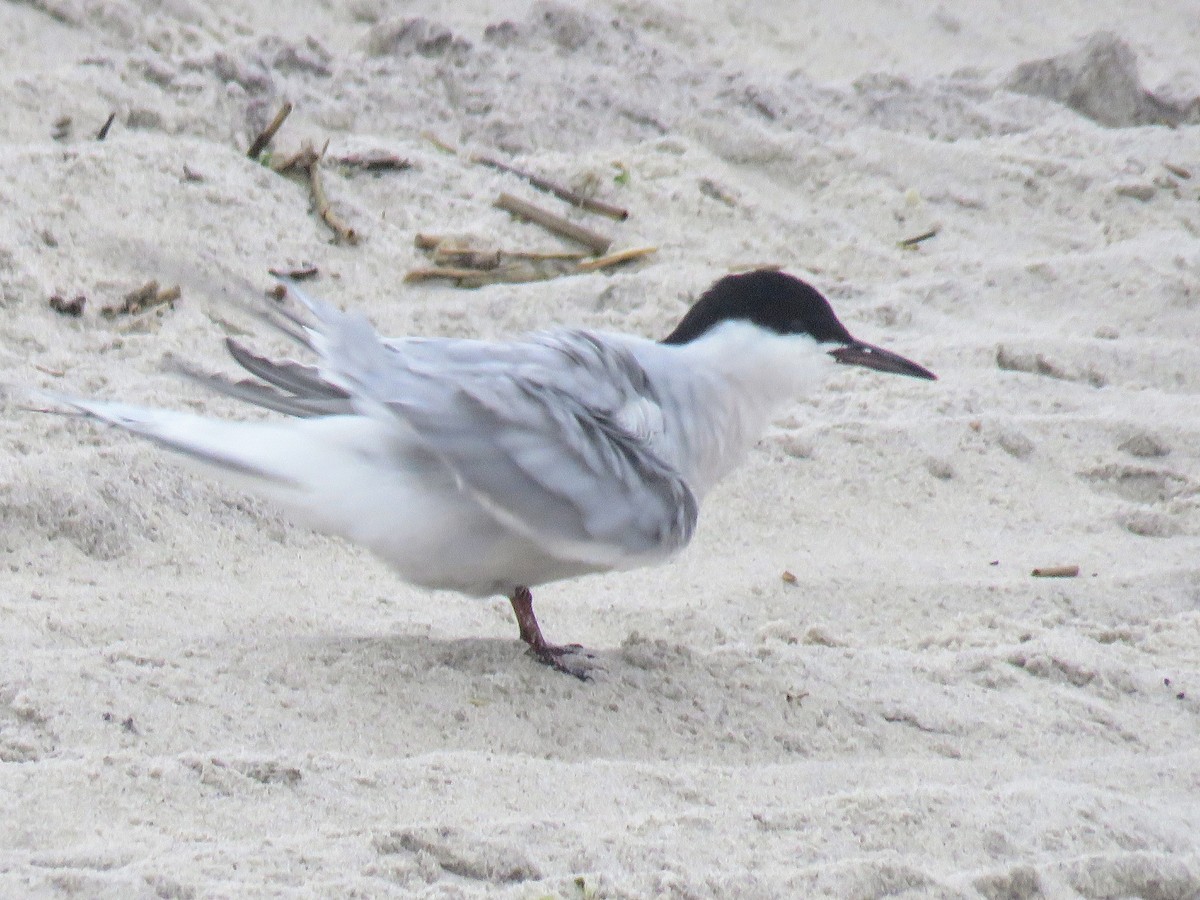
{"type": "Point", "coordinates": [197, 700]}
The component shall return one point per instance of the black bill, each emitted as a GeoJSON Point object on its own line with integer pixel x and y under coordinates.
{"type": "Point", "coordinates": [869, 356]}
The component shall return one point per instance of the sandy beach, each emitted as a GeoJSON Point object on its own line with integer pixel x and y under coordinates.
{"type": "Point", "coordinates": [849, 685]}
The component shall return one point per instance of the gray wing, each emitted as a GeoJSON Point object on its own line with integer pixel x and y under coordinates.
{"type": "Point", "coordinates": [544, 445]}
{"type": "Point", "coordinates": [545, 433]}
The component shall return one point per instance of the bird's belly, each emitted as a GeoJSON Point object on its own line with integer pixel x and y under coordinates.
{"type": "Point", "coordinates": [385, 493]}
{"type": "Point", "coordinates": [459, 547]}
{"type": "Point", "coordinates": [415, 516]}
{"type": "Point", "coordinates": [485, 561]}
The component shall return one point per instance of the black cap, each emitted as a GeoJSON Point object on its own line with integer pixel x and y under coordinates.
{"type": "Point", "coordinates": [768, 298]}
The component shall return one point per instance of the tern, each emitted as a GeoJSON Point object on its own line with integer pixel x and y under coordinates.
{"type": "Point", "coordinates": [494, 467]}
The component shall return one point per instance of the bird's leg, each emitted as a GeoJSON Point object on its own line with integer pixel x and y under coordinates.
{"type": "Point", "coordinates": [553, 655]}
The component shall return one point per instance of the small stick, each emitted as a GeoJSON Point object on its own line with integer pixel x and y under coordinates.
{"type": "Point", "coordinates": [298, 274]}
{"type": "Point", "coordinates": [614, 259]}
{"type": "Point", "coordinates": [909, 243]}
{"type": "Point", "coordinates": [438, 244]}
{"type": "Point", "coordinates": [441, 272]}
{"type": "Point", "coordinates": [465, 256]}
{"type": "Point", "coordinates": [537, 256]}
{"type": "Point", "coordinates": [1056, 572]}
{"type": "Point", "coordinates": [562, 193]}
{"type": "Point", "coordinates": [439, 143]}
{"type": "Point", "coordinates": [103, 132]}
{"type": "Point", "coordinates": [1177, 171]}
{"type": "Point", "coordinates": [753, 266]}
{"type": "Point", "coordinates": [477, 277]}
{"type": "Point", "coordinates": [264, 137]}
{"type": "Point", "coordinates": [308, 161]}
{"type": "Point", "coordinates": [340, 229]}
{"type": "Point", "coordinates": [597, 243]}
{"type": "Point", "coordinates": [373, 161]}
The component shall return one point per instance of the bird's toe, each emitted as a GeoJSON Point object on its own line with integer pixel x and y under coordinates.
{"type": "Point", "coordinates": [570, 659]}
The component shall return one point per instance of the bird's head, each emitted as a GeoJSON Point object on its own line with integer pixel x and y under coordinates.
{"type": "Point", "coordinates": [783, 304]}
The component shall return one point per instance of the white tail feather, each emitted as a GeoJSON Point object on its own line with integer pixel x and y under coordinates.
{"type": "Point", "coordinates": [315, 468]}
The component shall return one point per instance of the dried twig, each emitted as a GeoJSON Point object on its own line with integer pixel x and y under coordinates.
{"type": "Point", "coordinates": [562, 193]}
{"type": "Point", "coordinates": [373, 161]}
{"type": "Point", "coordinates": [297, 273]}
{"type": "Point", "coordinates": [540, 256]}
{"type": "Point", "coordinates": [909, 243]}
{"type": "Point", "coordinates": [468, 257]}
{"type": "Point", "coordinates": [448, 244]}
{"type": "Point", "coordinates": [597, 243]}
{"type": "Point", "coordinates": [340, 229]}
{"type": "Point", "coordinates": [1055, 572]}
{"type": "Point", "coordinates": [103, 132]}
{"type": "Point", "coordinates": [465, 277]}
{"type": "Point", "coordinates": [615, 259]}
{"type": "Point", "coordinates": [436, 272]}
{"type": "Point", "coordinates": [755, 266]}
{"type": "Point", "coordinates": [437, 142]}
{"type": "Point", "coordinates": [306, 160]}
{"type": "Point", "coordinates": [264, 137]}
{"type": "Point", "coordinates": [473, 268]}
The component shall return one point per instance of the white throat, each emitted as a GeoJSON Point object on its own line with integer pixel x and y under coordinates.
{"type": "Point", "coordinates": [727, 385]}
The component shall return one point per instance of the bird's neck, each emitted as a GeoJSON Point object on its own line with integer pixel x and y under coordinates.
{"type": "Point", "coordinates": [734, 380]}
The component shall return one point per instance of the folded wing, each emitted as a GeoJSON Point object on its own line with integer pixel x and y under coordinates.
{"type": "Point", "coordinates": [555, 436]}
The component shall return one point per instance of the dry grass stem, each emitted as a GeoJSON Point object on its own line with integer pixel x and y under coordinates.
{"type": "Point", "coordinates": [597, 243]}
{"type": "Point", "coordinates": [103, 132]}
{"type": "Point", "coordinates": [264, 137]}
{"type": "Point", "coordinates": [1056, 572]}
{"type": "Point", "coordinates": [562, 193]}
{"type": "Point", "coordinates": [915, 240]}
{"type": "Point", "coordinates": [615, 259]}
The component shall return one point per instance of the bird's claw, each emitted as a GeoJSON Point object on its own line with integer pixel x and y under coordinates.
{"type": "Point", "coordinates": [570, 659]}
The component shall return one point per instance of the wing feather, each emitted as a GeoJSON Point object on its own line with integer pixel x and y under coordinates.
{"type": "Point", "coordinates": [557, 435]}
{"type": "Point", "coordinates": [543, 444]}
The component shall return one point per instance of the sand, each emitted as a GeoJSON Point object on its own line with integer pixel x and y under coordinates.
{"type": "Point", "coordinates": [199, 700]}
